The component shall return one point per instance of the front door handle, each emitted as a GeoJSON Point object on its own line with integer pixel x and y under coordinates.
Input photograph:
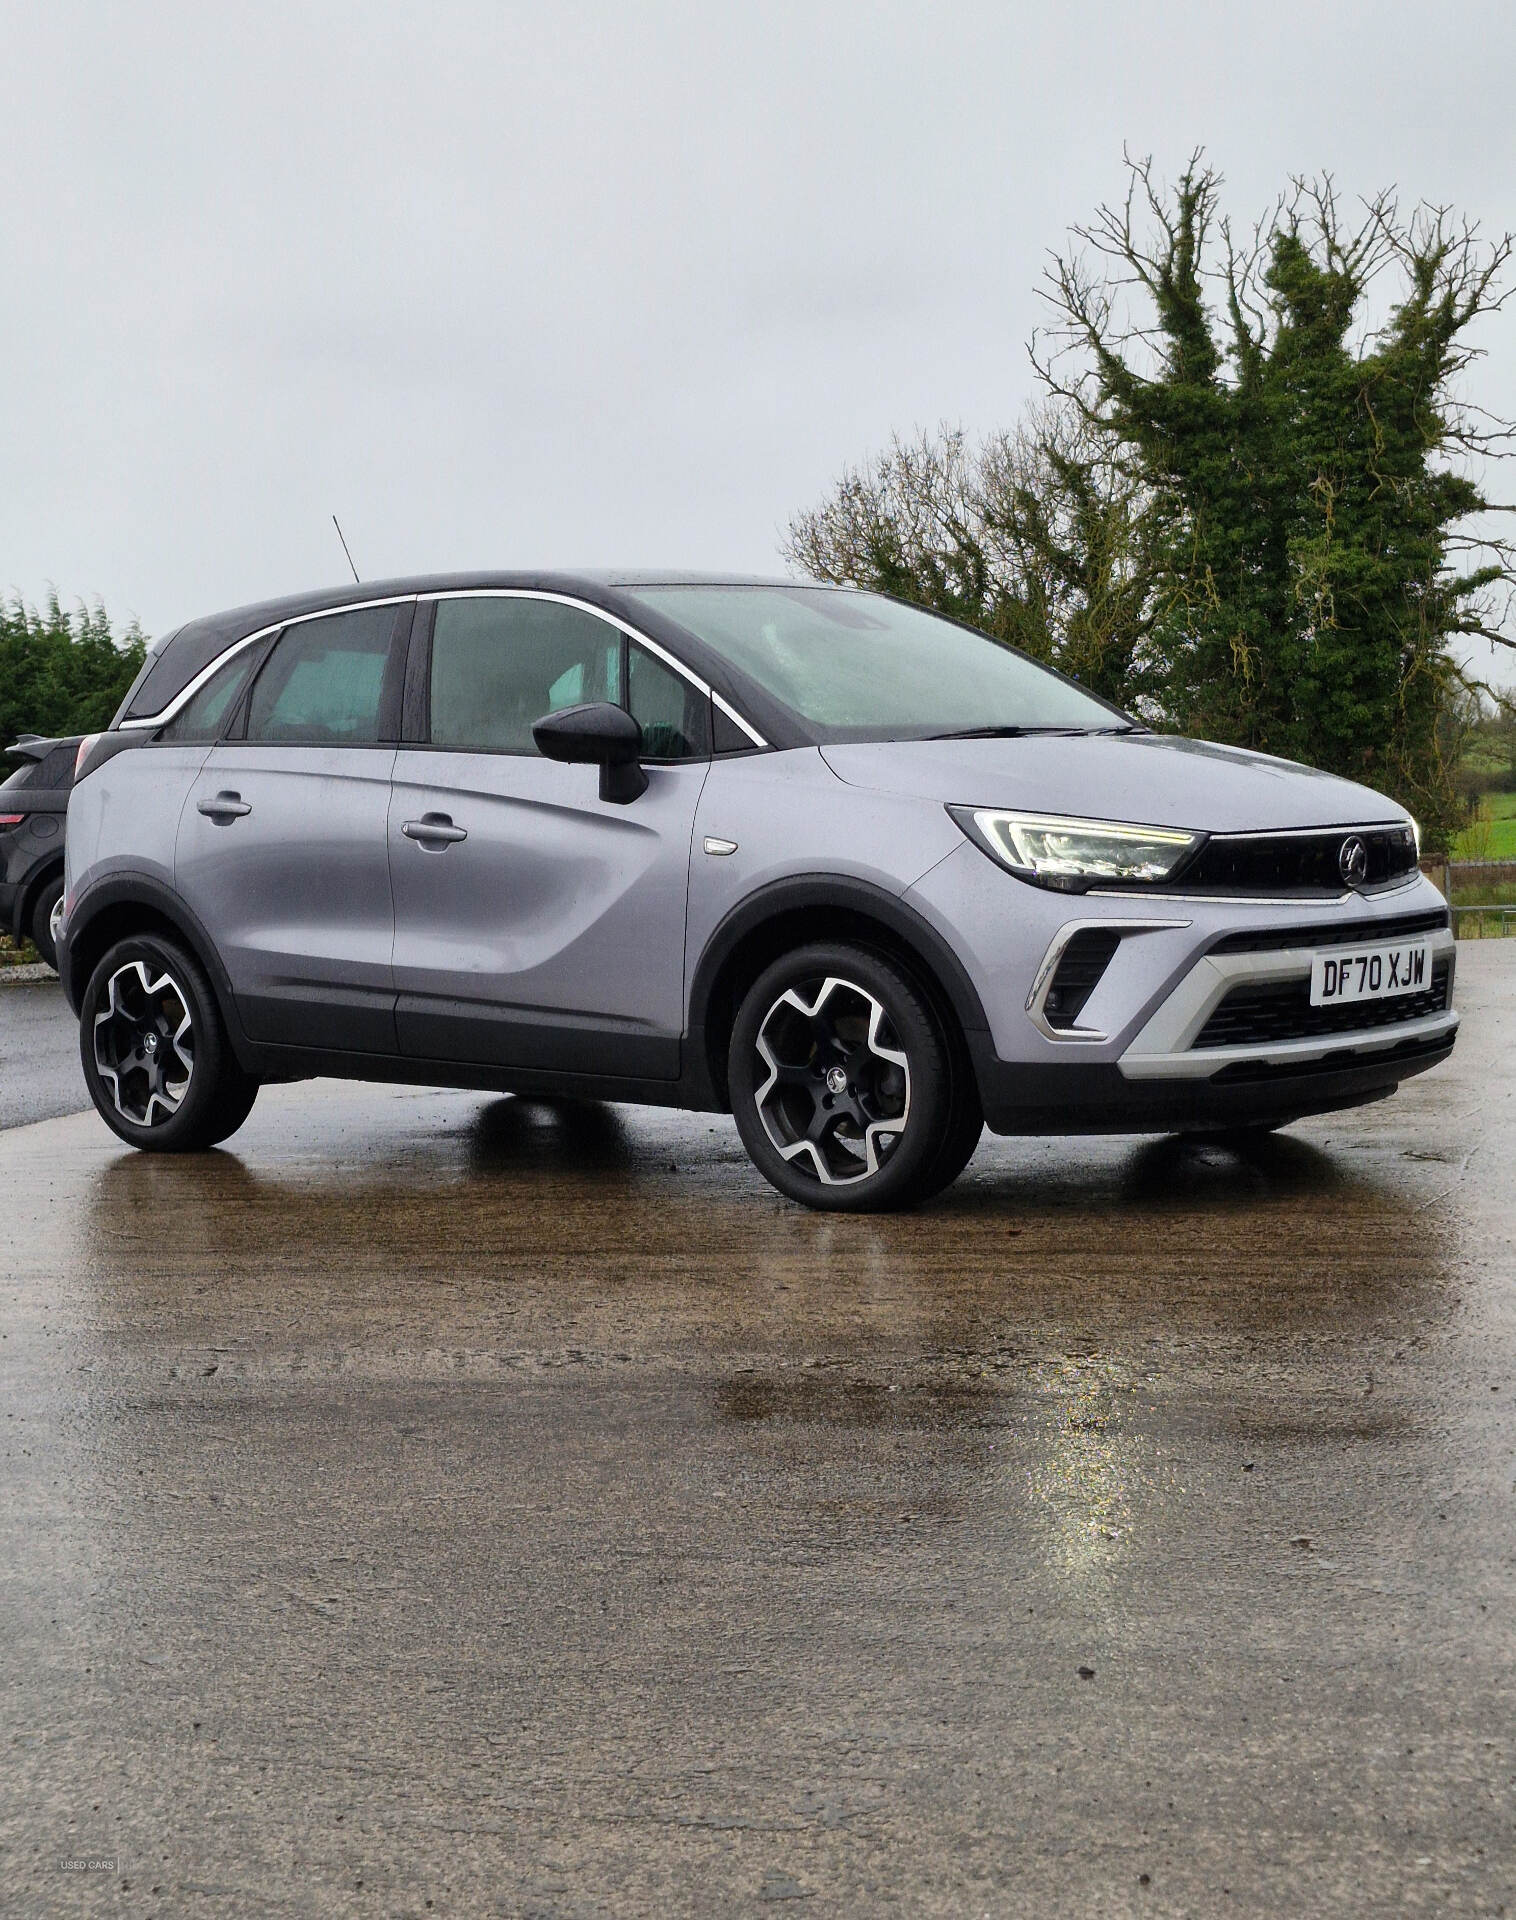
{"type": "Point", "coordinates": [434, 831]}
{"type": "Point", "coordinates": [223, 807]}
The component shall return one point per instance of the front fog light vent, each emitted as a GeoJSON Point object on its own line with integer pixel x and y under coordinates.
{"type": "Point", "coordinates": [1085, 959]}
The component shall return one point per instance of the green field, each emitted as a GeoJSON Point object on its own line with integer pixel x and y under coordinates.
{"type": "Point", "coordinates": [1492, 835]}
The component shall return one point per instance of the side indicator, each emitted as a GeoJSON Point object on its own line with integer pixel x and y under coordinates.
{"type": "Point", "coordinates": [713, 845]}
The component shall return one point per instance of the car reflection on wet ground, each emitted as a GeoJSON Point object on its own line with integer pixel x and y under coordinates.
{"type": "Point", "coordinates": [441, 1504]}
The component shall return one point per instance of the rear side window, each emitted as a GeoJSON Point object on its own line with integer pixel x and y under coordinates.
{"type": "Point", "coordinates": [498, 665]}
{"type": "Point", "coordinates": [200, 720]}
{"type": "Point", "coordinates": [324, 682]}
{"type": "Point", "coordinates": [24, 776]}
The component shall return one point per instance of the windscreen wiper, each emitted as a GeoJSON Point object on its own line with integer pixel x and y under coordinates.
{"type": "Point", "coordinates": [999, 733]}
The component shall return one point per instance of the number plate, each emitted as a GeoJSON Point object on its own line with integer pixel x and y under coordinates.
{"type": "Point", "coordinates": [1371, 973]}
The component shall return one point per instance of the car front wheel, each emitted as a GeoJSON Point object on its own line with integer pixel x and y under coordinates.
{"type": "Point", "coordinates": [157, 1061]}
{"type": "Point", "coordinates": [842, 1082]}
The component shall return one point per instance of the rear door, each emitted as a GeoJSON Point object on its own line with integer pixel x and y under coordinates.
{"type": "Point", "coordinates": [282, 847]}
{"type": "Point", "coordinates": [536, 925]}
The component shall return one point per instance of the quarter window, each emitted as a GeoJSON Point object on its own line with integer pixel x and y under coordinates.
{"type": "Point", "coordinates": [200, 720]}
{"type": "Point", "coordinates": [324, 682]}
{"type": "Point", "coordinates": [675, 717]}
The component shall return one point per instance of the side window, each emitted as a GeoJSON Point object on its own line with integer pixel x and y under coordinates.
{"type": "Point", "coordinates": [675, 717]}
{"type": "Point", "coordinates": [323, 683]}
{"type": "Point", "coordinates": [200, 720]}
{"type": "Point", "coordinates": [500, 664]}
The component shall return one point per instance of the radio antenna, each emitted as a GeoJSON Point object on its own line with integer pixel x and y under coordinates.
{"type": "Point", "coordinates": [343, 538]}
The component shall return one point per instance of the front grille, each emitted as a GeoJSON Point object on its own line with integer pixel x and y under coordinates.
{"type": "Point", "coordinates": [1265, 1012]}
{"type": "Point", "coordinates": [1354, 932]}
{"type": "Point", "coordinates": [1295, 862]}
{"type": "Point", "coordinates": [1085, 959]}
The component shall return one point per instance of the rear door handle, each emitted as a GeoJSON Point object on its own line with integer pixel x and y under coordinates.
{"type": "Point", "coordinates": [434, 830]}
{"type": "Point", "coordinates": [223, 807]}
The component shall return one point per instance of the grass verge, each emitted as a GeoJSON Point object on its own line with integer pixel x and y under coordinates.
{"type": "Point", "coordinates": [1491, 834]}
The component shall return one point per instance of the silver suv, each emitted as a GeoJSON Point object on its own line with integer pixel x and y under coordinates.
{"type": "Point", "coordinates": [858, 875]}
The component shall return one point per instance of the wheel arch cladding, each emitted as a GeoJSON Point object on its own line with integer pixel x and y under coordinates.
{"type": "Point", "coordinates": [125, 909]}
{"type": "Point", "coordinates": [794, 913]}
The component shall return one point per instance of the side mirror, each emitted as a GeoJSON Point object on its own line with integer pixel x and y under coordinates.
{"type": "Point", "coordinates": [597, 734]}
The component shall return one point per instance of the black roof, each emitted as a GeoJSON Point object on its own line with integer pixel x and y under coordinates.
{"type": "Point", "coordinates": [187, 650]}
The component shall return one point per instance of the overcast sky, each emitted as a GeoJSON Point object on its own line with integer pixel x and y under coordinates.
{"type": "Point", "coordinates": [512, 285]}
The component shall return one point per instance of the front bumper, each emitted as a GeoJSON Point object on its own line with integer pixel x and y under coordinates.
{"type": "Point", "coordinates": [1081, 1097]}
{"type": "Point", "coordinates": [1140, 1058]}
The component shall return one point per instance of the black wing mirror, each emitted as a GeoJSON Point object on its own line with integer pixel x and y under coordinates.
{"type": "Point", "coordinates": [597, 734]}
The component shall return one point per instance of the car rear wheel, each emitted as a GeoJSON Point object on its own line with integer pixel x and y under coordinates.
{"type": "Point", "coordinates": [46, 910]}
{"type": "Point", "coordinates": [842, 1083]}
{"type": "Point", "coordinates": [156, 1057]}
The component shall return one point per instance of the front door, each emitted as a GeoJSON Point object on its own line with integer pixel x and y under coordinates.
{"type": "Point", "coordinates": [536, 925]}
{"type": "Point", "coordinates": [281, 849]}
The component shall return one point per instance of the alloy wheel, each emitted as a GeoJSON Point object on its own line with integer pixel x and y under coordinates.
{"type": "Point", "coordinates": [144, 1044]}
{"type": "Point", "coordinates": [837, 1091]}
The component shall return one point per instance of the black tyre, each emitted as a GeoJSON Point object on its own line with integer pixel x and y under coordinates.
{"type": "Point", "coordinates": [842, 1082]}
{"type": "Point", "coordinates": [961, 1137]}
{"type": "Point", "coordinates": [235, 1105]}
{"type": "Point", "coordinates": [156, 1058]}
{"type": "Point", "coordinates": [44, 907]}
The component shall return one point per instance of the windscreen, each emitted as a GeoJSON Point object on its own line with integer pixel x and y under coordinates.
{"type": "Point", "coordinates": [856, 666]}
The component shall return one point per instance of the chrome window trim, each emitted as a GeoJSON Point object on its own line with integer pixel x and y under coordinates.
{"type": "Point", "coordinates": [187, 693]}
{"type": "Point", "coordinates": [145, 722]}
{"type": "Point", "coordinates": [613, 620]}
{"type": "Point", "coordinates": [1042, 980]}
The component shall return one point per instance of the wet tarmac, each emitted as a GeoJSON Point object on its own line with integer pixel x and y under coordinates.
{"type": "Point", "coordinates": [438, 1505]}
{"type": "Point", "coordinates": [40, 1075]}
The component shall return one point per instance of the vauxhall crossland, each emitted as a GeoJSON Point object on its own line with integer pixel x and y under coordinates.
{"type": "Point", "coordinates": [862, 877]}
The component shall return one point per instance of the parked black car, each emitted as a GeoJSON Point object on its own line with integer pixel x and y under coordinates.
{"type": "Point", "coordinates": [33, 806]}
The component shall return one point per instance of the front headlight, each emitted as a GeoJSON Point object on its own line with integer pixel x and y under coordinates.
{"type": "Point", "coordinates": [1072, 855]}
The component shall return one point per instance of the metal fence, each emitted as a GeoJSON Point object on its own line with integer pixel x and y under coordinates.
{"type": "Point", "coordinates": [1477, 919]}
{"type": "Point", "coordinates": [1483, 923]}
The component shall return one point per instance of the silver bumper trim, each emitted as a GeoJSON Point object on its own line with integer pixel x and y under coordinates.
{"type": "Point", "coordinates": [1164, 1048]}
{"type": "Point", "coordinates": [1036, 1000]}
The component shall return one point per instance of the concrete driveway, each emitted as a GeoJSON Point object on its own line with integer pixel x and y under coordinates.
{"type": "Point", "coordinates": [437, 1505]}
